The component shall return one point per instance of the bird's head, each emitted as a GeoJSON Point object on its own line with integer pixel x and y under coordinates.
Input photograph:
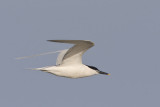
{"type": "Point", "coordinates": [96, 69]}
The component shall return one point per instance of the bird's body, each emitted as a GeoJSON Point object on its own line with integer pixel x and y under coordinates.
{"type": "Point", "coordinates": [69, 62]}
{"type": "Point", "coordinates": [69, 71]}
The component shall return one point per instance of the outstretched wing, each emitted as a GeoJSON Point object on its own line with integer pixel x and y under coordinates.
{"type": "Point", "coordinates": [74, 54]}
{"type": "Point", "coordinates": [60, 57]}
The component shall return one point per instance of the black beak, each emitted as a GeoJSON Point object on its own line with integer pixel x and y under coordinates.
{"type": "Point", "coordinates": [105, 73]}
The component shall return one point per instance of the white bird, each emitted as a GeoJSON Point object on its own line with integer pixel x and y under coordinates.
{"type": "Point", "coordinates": [69, 62]}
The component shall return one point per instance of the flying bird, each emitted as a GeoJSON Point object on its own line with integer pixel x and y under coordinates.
{"type": "Point", "coordinates": [69, 61]}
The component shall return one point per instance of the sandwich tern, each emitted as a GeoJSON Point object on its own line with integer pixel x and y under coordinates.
{"type": "Point", "coordinates": [69, 61]}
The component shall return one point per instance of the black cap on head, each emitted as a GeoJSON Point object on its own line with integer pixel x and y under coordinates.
{"type": "Point", "coordinates": [92, 67]}
{"type": "Point", "coordinates": [105, 73]}
{"type": "Point", "coordinates": [100, 72]}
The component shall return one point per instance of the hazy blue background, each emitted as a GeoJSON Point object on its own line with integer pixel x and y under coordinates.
{"type": "Point", "coordinates": [127, 45]}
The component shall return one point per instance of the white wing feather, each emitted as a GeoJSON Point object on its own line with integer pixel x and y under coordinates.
{"type": "Point", "coordinates": [74, 54]}
{"type": "Point", "coordinates": [60, 57]}
{"type": "Point", "coordinates": [68, 56]}
{"type": "Point", "coordinates": [46, 53]}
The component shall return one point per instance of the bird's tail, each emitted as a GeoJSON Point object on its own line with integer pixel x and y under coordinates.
{"type": "Point", "coordinates": [34, 68]}
{"type": "Point", "coordinates": [40, 69]}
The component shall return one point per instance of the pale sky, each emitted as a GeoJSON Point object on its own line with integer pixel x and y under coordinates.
{"type": "Point", "coordinates": [126, 34]}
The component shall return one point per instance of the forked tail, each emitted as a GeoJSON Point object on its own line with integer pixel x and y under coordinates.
{"type": "Point", "coordinates": [34, 68]}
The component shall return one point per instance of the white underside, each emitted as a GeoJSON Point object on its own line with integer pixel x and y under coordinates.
{"type": "Point", "coordinates": [69, 61]}
{"type": "Point", "coordinates": [70, 71]}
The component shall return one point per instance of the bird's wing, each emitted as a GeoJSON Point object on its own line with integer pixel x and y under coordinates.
{"type": "Point", "coordinates": [46, 53]}
{"type": "Point", "coordinates": [60, 57]}
{"type": "Point", "coordinates": [74, 54]}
